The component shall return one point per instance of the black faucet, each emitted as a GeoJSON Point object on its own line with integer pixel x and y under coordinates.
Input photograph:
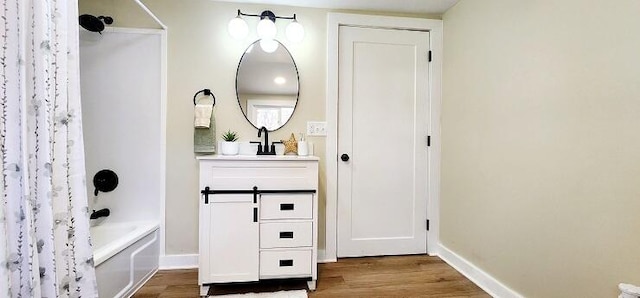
{"type": "Point", "coordinates": [264, 150]}
{"type": "Point", "coordinates": [100, 213]}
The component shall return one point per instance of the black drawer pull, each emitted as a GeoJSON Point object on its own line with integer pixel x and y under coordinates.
{"type": "Point", "coordinates": [255, 214]}
{"type": "Point", "coordinates": [286, 207]}
{"type": "Point", "coordinates": [286, 263]}
{"type": "Point", "coordinates": [286, 235]}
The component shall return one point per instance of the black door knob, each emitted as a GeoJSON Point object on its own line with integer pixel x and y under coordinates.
{"type": "Point", "coordinates": [344, 157]}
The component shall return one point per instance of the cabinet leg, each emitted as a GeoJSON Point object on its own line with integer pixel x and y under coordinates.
{"type": "Point", "coordinates": [204, 291]}
{"type": "Point", "coordinates": [312, 285]}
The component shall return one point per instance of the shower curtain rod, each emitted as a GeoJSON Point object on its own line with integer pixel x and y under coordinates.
{"type": "Point", "coordinates": [146, 9]}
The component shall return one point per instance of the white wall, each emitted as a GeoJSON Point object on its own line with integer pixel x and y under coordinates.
{"type": "Point", "coordinates": [541, 149]}
{"type": "Point", "coordinates": [120, 82]}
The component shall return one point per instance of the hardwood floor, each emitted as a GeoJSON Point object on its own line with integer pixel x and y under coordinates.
{"type": "Point", "coordinates": [397, 276]}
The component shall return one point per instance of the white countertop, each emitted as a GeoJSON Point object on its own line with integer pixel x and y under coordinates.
{"type": "Point", "coordinates": [256, 157]}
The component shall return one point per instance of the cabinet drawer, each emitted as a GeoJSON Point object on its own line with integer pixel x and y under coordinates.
{"type": "Point", "coordinates": [289, 234]}
{"type": "Point", "coordinates": [269, 173]}
{"type": "Point", "coordinates": [285, 206]}
{"type": "Point", "coordinates": [287, 263]}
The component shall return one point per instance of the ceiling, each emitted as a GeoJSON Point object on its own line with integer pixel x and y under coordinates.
{"type": "Point", "coordinates": [401, 6]}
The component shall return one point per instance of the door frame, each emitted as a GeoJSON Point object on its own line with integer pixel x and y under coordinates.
{"type": "Point", "coordinates": [334, 21]}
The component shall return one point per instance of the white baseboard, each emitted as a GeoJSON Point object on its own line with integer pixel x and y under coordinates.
{"type": "Point", "coordinates": [485, 281]}
{"type": "Point", "coordinates": [173, 262]}
{"type": "Point", "coordinates": [322, 257]}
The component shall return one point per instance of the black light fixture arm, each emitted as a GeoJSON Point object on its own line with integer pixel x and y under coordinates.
{"type": "Point", "coordinates": [267, 14]}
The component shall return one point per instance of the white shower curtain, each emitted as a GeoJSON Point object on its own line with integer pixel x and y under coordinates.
{"type": "Point", "coordinates": [45, 248]}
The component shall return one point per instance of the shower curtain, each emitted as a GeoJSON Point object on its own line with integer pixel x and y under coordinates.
{"type": "Point", "coordinates": [45, 248]}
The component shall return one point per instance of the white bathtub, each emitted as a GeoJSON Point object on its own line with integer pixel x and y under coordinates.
{"type": "Point", "coordinates": [125, 255]}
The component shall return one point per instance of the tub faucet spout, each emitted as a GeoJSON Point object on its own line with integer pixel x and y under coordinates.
{"type": "Point", "coordinates": [100, 213]}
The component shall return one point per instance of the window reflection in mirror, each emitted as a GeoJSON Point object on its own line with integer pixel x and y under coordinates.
{"type": "Point", "coordinates": [267, 86]}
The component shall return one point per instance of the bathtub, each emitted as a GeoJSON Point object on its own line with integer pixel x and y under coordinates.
{"type": "Point", "coordinates": [125, 256]}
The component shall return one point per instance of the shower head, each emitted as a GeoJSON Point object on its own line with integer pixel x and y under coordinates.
{"type": "Point", "coordinates": [93, 23]}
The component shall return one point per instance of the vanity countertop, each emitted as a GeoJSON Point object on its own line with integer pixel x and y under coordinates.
{"type": "Point", "coordinates": [256, 157]}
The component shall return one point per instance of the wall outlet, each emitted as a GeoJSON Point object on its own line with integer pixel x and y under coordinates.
{"type": "Point", "coordinates": [316, 128]}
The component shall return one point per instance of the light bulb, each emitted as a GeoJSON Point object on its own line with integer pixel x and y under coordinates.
{"type": "Point", "coordinates": [294, 31]}
{"type": "Point", "coordinates": [266, 29]}
{"type": "Point", "coordinates": [280, 80]}
{"type": "Point", "coordinates": [268, 45]}
{"type": "Point", "coordinates": [238, 28]}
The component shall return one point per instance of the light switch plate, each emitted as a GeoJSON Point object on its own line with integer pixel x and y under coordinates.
{"type": "Point", "coordinates": [316, 128]}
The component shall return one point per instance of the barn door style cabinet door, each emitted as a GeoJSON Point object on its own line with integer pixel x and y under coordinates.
{"type": "Point", "coordinates": [258, 219]}
{"type": "Point", "coordinates": [231, 253]}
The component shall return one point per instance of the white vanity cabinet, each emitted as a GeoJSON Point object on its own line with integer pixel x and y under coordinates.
{"type": "Point", "coordinates": [258, 219]}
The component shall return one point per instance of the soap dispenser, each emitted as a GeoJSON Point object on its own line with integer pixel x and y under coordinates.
{"type": "Point", "coordinates": [303, 147]}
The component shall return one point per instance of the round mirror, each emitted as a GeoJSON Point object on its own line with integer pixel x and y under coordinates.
{"type": "Point", "coordinates": [267, 85]}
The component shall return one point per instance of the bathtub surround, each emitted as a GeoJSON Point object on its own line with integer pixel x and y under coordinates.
{"type": "Point", "coordinates": [44, 224]}
{"type": "Point", "coordinates": [121, 77]}
{"type": "Point", "coordinates": [117, 67]}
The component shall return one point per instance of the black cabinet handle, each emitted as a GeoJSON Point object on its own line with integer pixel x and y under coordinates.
{"type": "Point", "coordinates": [286, 207]}
{"type": "Point", "coordinates": [255, 194]}
{"type": "Point", "coordinates": [286, 263]}
{"type": "Point", "coordinates": [286, 235]}
{"type": "Point", "coordinates": [255, 214]}
{"type": "Point", "coordinates": [206, 193]}
{"type": "Point", "coordinates": [344, 157]}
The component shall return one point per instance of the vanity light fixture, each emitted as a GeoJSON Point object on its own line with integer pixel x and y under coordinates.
{"type": "Point", "coordinates": [266, 28]}
{"type": "Point", "coordinates": [238, 28]}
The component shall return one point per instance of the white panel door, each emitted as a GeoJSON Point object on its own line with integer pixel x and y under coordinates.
{"type": "Point", "coordinates": [229, 244]}
{"type": "Point", "coordinates": [382, 128]}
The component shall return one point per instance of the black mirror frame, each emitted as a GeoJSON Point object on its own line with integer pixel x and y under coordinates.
{"type": "Point", "coordinates": [295, 66]}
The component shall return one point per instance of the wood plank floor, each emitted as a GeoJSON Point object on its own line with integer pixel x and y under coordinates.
{"type": "Point", "coordinates": [397, 276]}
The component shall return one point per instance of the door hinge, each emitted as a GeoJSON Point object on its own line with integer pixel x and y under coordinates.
{"type": "Point", "coordinates": [427, 224]}
{"type": "Point", "coordinates": [428, 141]}
{"type": "Point", "coordinates": [430, 56]}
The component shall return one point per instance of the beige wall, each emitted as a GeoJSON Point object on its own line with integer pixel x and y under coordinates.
{"type": "Point", "coordinates": [541, 143]}
{"type": "Point", "coordinates": [201, 54]}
